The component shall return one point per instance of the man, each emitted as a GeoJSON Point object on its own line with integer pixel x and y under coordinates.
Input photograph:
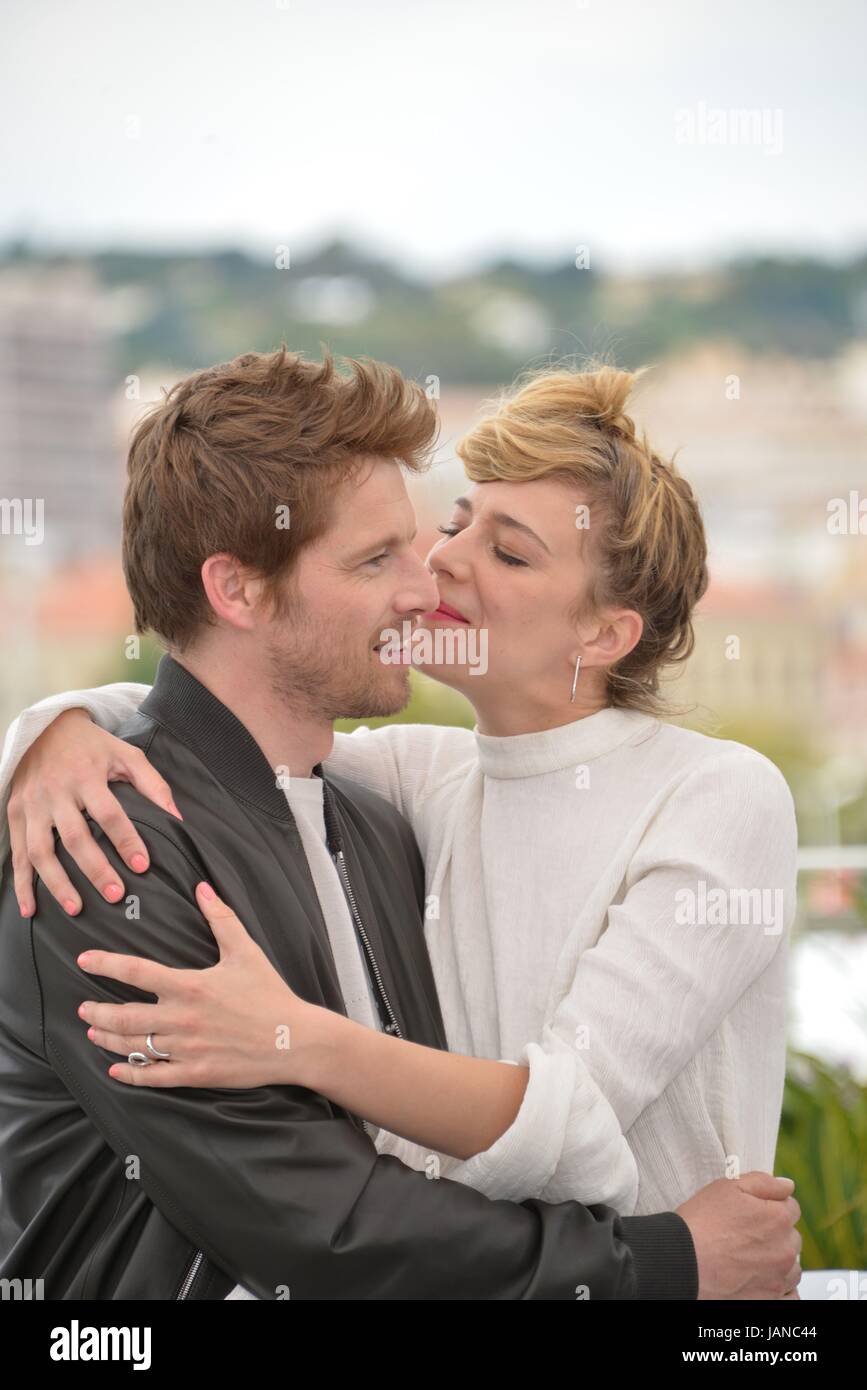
{"type": "Point", "coordinates": [264, 499]}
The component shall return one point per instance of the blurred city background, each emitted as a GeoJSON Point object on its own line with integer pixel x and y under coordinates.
{"type": "Point", "coordinates": [468, 193]}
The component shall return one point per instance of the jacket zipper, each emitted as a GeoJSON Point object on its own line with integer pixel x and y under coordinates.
{"type": "Point", "coordinates": [191, 1274]}
{"type": "Point", "coordinates": [392, 1027]}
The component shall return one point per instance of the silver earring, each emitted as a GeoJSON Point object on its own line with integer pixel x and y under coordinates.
{"type": "Point", "coordinates": [575, 681]}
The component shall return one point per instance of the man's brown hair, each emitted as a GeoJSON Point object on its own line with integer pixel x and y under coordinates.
{"type": "Point", "coordinates": [213, 467]}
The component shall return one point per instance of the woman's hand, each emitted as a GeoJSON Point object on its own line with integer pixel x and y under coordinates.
{"type": "Point", "coordinates": [236, 1024]}
{"type": "Point", "coordinates": [63, 774]}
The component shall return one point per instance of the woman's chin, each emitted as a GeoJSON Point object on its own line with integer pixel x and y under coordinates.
{"type": "Point", "coordinates": [462, 651]}
{"type": "Point", "coordinates": [458, 677]}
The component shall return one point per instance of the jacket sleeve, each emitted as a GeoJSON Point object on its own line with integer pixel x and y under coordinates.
{"type": "Point", "coordinates": [647, 997]}
{"type": "Point", "coordinates": [280, 1189]}
{"type": "Point", "coordinates": [108, 705]}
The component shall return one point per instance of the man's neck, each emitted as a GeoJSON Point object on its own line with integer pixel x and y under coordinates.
{"type": "Point", "coordinates": [293, 741]}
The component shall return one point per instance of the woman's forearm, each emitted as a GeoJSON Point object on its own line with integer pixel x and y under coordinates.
{"type": "Point", "coordinates": [443, 1101]}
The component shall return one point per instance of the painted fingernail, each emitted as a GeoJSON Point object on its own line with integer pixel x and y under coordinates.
{"type": "Point", "coordinates": [138, 863]}
{"type": "Point", "coordinates": [27, 909]}
{"type": "Point", "coordinates": [71, 906]}
{"type": "Point", "coordinates": [207, 891]}
{"type": "Point", "coordinates": [112, 891]}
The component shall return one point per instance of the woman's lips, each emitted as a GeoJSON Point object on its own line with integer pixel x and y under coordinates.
{"type": "Point", "coordinates": [445, 611]}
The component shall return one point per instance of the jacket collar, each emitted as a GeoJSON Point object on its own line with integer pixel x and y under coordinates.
{"type": "Point", "coordinates": [181, 703]}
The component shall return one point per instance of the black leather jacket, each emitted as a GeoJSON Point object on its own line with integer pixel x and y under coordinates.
{"type": "Point", "coordinates": [109, 1191]}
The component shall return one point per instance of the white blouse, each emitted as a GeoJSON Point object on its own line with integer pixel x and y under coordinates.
{"type": "Point", "coordinates": [609, 903]}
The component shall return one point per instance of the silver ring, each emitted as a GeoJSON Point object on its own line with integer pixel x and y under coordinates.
{"type": "Point", "coordinates": [138, 1059]}
{"type": "Point", "coordinates": [154, 1051]}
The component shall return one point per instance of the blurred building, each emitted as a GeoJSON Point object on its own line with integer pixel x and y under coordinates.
{"type": "Point", "coordinates": [761, 651]}
{"type": "Point", "coordinates": [56, 443]}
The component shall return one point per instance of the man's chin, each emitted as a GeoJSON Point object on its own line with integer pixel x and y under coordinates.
{"type": "Point", "coordinates": [381, 699]}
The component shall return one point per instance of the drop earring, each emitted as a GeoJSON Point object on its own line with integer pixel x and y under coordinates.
{"type": "Point", "coordinates": [575, 681]}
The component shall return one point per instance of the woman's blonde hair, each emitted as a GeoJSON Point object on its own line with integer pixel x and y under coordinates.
{"type": "Point", "coordinates": [647, 547]}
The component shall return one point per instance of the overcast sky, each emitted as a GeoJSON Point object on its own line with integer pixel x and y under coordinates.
{"type": "Point", "coordinates": [437, 131]}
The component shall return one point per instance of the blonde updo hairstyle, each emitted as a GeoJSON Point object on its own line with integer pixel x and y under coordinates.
{"type": "Point", "coordinates": [646, 542]}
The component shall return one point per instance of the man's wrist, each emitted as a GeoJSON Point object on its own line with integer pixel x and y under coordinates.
{"type": "Point", "coordinates": [665, 1263]}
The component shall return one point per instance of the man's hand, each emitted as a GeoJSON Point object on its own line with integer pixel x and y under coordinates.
{"type": "Point", "coordinates": [65, 773]}
{"type": "Point", "coordinates": [745, 1239]}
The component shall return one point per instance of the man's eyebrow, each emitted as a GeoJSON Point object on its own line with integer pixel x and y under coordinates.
{"type": "Point", "coordinates": [376, 545]}
{"type": "Point", "coordinates": [504, 520]}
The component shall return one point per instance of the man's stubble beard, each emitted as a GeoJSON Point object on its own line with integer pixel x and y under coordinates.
{"type": "Point", "coordinates": [306, 678]}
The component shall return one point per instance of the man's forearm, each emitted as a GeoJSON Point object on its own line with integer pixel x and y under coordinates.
{"type": "Point", "coordinates": [444, 1101]}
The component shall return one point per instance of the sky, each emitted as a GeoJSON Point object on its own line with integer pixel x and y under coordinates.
{"type": "Point", "coordinates": [440, 133]}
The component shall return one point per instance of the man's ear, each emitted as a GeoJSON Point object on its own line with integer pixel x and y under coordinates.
{"type": "Point", "coordinates": [232, 590]}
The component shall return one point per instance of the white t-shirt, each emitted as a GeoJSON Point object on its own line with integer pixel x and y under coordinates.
{"type": "Point", "coordinates": [306, 799]}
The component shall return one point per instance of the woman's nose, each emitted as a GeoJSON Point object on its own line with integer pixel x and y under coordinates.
{"type": "Point", "coordinates": [445, 560]}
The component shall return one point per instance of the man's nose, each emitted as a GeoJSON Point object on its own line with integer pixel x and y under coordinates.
{"type": "Point", "coordinates": [421, 594]}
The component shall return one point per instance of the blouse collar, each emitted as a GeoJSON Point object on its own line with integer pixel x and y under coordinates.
{"type": "Point", "coordinates": [552, 750]}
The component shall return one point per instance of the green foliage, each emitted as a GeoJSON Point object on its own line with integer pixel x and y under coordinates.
{"type": "Point", "coordinates": [121, 668]}
{"type": "Point", "coordinates": [206, 308]}
{"type": "Point", "coordinates": [786, 744]}
{"type": "Point", "coordinates": [822, 1146]}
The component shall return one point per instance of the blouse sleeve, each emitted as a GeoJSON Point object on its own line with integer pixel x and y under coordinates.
{"type": "Point", "coordinates": [708, 898]}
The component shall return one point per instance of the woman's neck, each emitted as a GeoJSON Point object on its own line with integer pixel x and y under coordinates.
{"type": "Point", "coordinates": [507, 718]}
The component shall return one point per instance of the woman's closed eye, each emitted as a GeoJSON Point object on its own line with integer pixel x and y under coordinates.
{"type": "Point", "coordinates": [506, 558]}
{"type": "Point", "coordinates": [501, 555]}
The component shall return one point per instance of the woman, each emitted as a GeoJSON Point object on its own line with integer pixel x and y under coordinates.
{"type": "Point", "coordinates": [609, 895]}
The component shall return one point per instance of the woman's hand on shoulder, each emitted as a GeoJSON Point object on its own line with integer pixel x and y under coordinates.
{"type": "Point", "coordinates": [63, 776]}
{"type": "Point", "coordinates": [235, 1024]}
